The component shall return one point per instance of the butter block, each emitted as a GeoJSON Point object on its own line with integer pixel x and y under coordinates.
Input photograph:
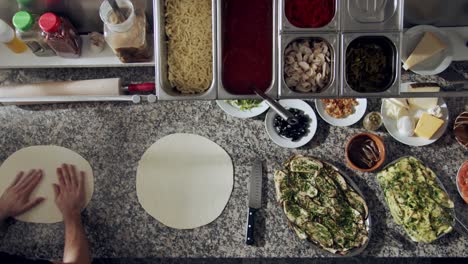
{"type": "Point", "coordinates": [428, 125]}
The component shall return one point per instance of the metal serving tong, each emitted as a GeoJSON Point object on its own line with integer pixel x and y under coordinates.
{"type": "Point", "coordinates": [283, 112]}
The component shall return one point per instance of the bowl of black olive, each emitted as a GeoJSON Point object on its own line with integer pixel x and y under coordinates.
{"type": "Point", "coordinates": [289, 135]}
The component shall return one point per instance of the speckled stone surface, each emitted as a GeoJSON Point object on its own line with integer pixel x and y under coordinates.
{"type": "Point", "coordinates": [113, 137]}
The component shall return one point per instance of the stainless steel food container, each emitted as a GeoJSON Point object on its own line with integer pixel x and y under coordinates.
{"type": "Point", "coordinates": [333, 25]}
{"type": "Point", "coordinates": [393, 90]}
{"type": "Point", "coordinates": [272, 91]}
{"type": "Point", "coordinates": [164, 90]}
{"type": "Point", "coordinates": [333, 87]}
{"type": "Point", "coordinates": [372, 15]}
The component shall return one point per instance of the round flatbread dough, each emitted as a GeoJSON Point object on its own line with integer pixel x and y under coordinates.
{"type": "Point", "coordinates": [47, 158]}
{"type": "Point", "coordinates": [184, 181]}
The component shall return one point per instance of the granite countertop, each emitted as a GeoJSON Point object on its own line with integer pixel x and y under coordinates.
{"type": "Point", "coordinates": [113, 137]}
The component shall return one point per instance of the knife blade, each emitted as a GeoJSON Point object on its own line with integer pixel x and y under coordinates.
{"type": "Point", "coordinates": [255, 199]}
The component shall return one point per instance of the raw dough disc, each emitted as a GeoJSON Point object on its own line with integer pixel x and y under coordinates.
{"type": "Point", "coordinates": [184, 181]}
{"type": "Point", "coordinates": [47, 158]}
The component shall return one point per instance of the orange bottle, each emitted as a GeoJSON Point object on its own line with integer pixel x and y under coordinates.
{"type": "Point", "coordinates": [8, 37]}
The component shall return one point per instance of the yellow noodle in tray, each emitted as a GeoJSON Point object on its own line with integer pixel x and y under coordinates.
{"type": "Point", "coordinates": [190, 47]}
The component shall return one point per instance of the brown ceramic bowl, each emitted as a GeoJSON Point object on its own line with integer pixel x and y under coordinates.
{"type": "Point", "coordinates": [460, 129]}
{"type": "Point", "coordinates": [379, 144]}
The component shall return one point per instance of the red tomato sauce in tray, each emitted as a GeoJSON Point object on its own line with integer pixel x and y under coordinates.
{"type": "Point", "coordinates": [247, 45]}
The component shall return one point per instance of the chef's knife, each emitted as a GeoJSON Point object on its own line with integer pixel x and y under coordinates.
{"type": "Point", "coordinates": [255, 199]}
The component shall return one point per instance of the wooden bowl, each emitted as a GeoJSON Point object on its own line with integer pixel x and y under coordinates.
{"type": "Point", "coordinates": [380, 145]}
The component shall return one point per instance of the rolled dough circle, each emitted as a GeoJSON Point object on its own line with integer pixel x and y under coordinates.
{"type": "Point", "coordinates": [47, 158]}
{"type": "Point", "coordinates": [184, 181]}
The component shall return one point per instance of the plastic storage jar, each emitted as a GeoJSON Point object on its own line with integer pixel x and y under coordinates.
{"type": "Point", "coordinates": [8, 37]}
{"type": "Point", "coordinates": [60, 35]}
{"type": "Point", "coordinates": [127, 38]}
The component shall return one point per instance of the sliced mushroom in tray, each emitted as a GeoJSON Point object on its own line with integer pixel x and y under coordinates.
{"type": "Point", "coordinates": [307, 65]}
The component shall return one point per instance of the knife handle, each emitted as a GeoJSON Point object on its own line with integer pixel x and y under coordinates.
{"type": "Point", "coordinates": [250, 227]}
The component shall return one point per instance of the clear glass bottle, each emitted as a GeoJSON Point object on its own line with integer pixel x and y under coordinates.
{"type": "Point", "coordinates": [127, 39]}
{"type": "Point", "coordinates": [27, 29]}
{"type": "Point", "coordinates": [60, 35]}
{"type": "Point", "coordinates": [8, 37]}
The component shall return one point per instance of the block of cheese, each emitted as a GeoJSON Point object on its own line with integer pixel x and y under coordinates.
{"type": "Point", "coordinates": [424, 88]}
{"type": "Point", "coordinates": [396, 108]}
{"type": "Point", "coordinates": [423, 103]}
{"type": "Point", "coordinates": [401, 102]}
{"type": "Point", "coordinates": [428, 125]}
{"type": "Point", "coordinates": [427, 47]}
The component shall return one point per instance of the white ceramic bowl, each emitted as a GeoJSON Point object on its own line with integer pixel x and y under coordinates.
{"type": "Point", "coordinates": [435, 65]}
{"type": "Point", "coordinates": [236, 112]}
{"type": "Point", "coordinates": [352, 119]}
{"type": "Point", "coordinates": [391, 126]}
{"type": "Point", "coordinates": [285, 142]}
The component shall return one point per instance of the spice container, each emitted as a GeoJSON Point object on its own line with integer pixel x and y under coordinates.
{"type": "Point", "coordinates": [127, 39]}
{"type": "Point", "coordinates": [27, 29]}
{"type": "Point", "coordinates": [372, 121]}
{"type": "Point", "coordinates": [310, 15]}
{"type": "Point", "coordinates": [370, 64]}
{"type": "Point", "coordinates": [60, 35]}
{"type": "Point", "coordinates": [371, 15]}
{"type": "Point", "coordinates": [8, 37]}
{"type": "Point", "coordinates": [317, 74]}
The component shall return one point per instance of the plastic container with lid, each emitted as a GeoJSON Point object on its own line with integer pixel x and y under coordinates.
{"type": "Point", "coordinates": [27, 29]}
{"type": "Point", "coordinates": [34, 6]}
{"type": "Point", "coordinates": [127, 38]}
{"type": "Point", "coordinates": [8, 37]}
{"type": "Point", "coordinates": [60, 35]}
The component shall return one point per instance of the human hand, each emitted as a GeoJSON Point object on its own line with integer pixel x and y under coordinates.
{"type": "Point", "coordinates": [16, 199]}
{"type": "Point", "coordinates": [70, 192]}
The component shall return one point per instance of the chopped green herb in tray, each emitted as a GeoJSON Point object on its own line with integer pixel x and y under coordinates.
{"type": "Point", "coordinates": [369, 64]}
{"type": "Point", "coordinates": [244, 105]}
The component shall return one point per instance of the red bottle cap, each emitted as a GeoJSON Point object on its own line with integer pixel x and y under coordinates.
{"type": "Point", "coordinates": [49, 22]}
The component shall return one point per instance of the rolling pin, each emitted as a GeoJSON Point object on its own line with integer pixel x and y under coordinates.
{"type": "Point", "coordinates": [101, 87]}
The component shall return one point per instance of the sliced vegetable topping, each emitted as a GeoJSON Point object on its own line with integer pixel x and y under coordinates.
{"type": "Point", "coordinates": [321, 206]}
{"type": "Point", "coordinates": [416, 200]}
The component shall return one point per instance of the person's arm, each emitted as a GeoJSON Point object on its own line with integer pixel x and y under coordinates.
{"type": "Point", "coordinates": [16, 198]}
{"type": "Point", "coordinates": [70, 199]}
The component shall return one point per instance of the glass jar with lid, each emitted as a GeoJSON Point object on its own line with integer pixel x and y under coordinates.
{"type": "Point", "coordinates": [128, 38]}
{"type": "Point", "coordinates": [60, 35]}
{"type": "Point", "coordinates": [27, 29]}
